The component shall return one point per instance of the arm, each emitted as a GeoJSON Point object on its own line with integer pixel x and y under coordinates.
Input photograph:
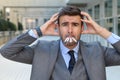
{"type": "Point", "coordinates": [93, 27]}
{"type": "Point", "coordinates": [111, 55]}
{"type": "Point", "coordinates": [19, 50]}
{"type": "Point", "coordinates": [49, 27]}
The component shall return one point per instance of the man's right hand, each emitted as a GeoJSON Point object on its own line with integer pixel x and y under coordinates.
{"type": "Point", "coordinates": [49, 27]}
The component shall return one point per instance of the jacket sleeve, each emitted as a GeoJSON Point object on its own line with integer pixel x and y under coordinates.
{"type": "Point", "coordinates": [18, 49]}
{"type": "Point", "coordinates": [112, 55]}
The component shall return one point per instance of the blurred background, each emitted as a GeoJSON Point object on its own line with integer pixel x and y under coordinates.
{"type": "Point", "coordinates": [18, 16]}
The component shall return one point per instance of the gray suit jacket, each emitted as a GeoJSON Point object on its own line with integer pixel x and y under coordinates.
{"type": "Point", "coordinates": [43, 56]}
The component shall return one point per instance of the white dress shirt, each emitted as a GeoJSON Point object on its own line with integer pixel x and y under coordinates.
{"type": "Point", "coordinates": [64, 50]}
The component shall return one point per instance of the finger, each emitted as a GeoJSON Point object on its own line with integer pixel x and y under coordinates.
{"type": "Point", "coordinates": [86, 21]}
{"type": "Point", "coordinates": [86, 15]}
{"type": "Point", "coordinates": [55, 15]}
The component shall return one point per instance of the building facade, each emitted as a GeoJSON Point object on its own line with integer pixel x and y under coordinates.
{"type": "Point", "coordinates": [30, 13]}
{"type": "Point", "coordinates": [104, 12]}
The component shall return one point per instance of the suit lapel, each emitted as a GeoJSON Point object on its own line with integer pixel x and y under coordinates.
{"type": "Point", "coordinates": [54, 50]}
{"type": "Point", "coordinates": [93, 71]}
{"type": "Point", "coordinates": [86, 58]}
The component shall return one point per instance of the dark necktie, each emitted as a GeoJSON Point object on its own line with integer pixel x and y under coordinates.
{"type": "Point", "coordinates": [72, 61]}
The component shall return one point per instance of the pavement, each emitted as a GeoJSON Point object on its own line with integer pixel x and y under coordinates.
{"type": "Point", "coordinates": [11, 70]}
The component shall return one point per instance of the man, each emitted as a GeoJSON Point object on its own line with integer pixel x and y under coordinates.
{"type": "Point", "coordinates": [68, 58]}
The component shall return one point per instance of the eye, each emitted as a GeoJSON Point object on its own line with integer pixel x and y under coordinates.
{"type": "Point", "coordinates": [64, 24]}
{"type": "Point", "coordinates": [75, 24]}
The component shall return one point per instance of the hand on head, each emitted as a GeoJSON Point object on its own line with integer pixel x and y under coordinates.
{"type": "Point", "coordinates": [92, 26]}
{"type": "Point", "coordinates": [49, 27]}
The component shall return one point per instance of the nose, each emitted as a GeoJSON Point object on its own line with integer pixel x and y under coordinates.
{"type": "Point", "coordinates": [70, 30]}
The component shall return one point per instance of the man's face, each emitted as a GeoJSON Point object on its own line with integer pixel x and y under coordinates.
{"type": "Point", "coordinates": [70, 30]}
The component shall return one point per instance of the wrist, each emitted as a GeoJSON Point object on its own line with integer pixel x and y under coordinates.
{"type": "Point", "coordinates": [38, 31]}
{"type": "Point", "coordinates": [113, 38]}
{"type": "Point", "coordinates": [103, 32]}
{"type": "Point", "coordinates": [33, 33]}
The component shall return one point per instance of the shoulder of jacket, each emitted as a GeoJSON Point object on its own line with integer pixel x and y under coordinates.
{"type": "Point", "coordinates": [89, 44]}
{"type": "Point", "coordinates": [47, 43]}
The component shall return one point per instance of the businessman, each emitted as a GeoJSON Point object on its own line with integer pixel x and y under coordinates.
{"type": "Point", "coordinates": [68, 58]}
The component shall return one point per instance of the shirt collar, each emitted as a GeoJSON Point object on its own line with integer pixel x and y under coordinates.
{"type": "Point", "coordinates": [64, 50]}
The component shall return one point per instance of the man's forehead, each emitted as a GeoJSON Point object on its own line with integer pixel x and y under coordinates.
{"type": "Point", "coordinates": [70, 18]}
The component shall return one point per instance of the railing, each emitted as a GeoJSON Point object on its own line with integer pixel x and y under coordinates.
{"type": "Point", "coordinates": [8, 35]}
{"type": "Point", "coordinates": [92, 38]}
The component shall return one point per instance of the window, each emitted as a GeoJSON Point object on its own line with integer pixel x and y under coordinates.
{"type": "Point", "coordinates": [90, 12]}
{"type": "Point", "coordinates": [7, 11]}
{"type": "Point", "coordinates": [108, 8]}
{"type": "Point", "coordinates": [36, 22]}
{"type": "Point", "coordinates": [119, 26]}
{"type": "Point", "coordinates": [98, 22]}
{"type": "Point", "coordinates": [97, 12]}
{"type": "Point", "coordinates": [45, 20]}
{"type": "Point", "coordinates": [118, 6]}
{"type": "Point", "coordinates": [109, 24]}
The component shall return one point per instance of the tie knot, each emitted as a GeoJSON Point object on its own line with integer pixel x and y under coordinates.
{"type": "Point", "coordinates": [71, 53]}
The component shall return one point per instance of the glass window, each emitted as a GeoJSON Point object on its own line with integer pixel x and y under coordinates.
{"type": "Point", "coordinates": [97, 11]}
{"type": "Point", "coordinates": [45, 20]}
{"type": "Point", "coordinates": [98, 22]}
{"type": "Point", "coordinates": [118, 6]}
{"type": "Point", "coordinates": [7, 11]}
{"type": "Point", "coordinates": [90, 12]}
{"type": "Point", "coordinates": [109, 24]}
{"type": "Point", "coordinates": [119, 26]}
{"type": "Point", "coordinates": [108, 8]}
{"type": "Point", "coordinates": [36, 22]}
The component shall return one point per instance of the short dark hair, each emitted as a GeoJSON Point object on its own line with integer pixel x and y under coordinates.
{"type": "Point", "coordinates": [70, 11]}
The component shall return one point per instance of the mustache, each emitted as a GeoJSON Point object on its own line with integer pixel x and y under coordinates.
{"type": "Point", "coordinates": [69, 35]}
